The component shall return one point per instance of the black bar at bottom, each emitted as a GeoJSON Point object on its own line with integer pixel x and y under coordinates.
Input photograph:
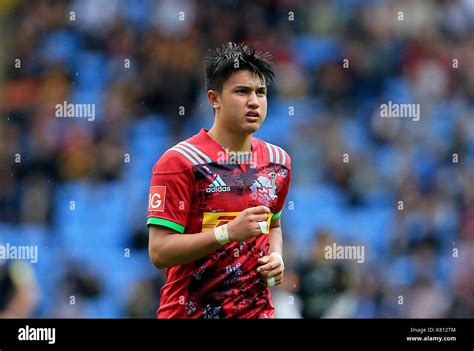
{"type": "Point", "coordinates": [411, 334]}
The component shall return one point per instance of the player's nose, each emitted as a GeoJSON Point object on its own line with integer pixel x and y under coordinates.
{"type": "Point", "coordinates": [252, 102]}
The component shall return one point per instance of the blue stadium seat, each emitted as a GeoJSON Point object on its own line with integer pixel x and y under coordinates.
{"type": "Point", "coordinates": [398, 90]}
{"type": "Point", "coordinates": [9, 234]}
{"type": "Point", "coordinates": [49, 270]}
{"type": "Point", "coordinates": [137, 13]}
{"type": "Point", "coordinates": [314, 208]}
{"type": "Point", "coordinates": [194, 124]}
{"type": "Point", "coordinates": [60, 46]}
{"type": "Point", "coordinates": [90, 73]}
{"type": "Point", "coordinates": [371, 227]}
{"type": "Point", "coordinates": [99, 208]}
{"type": "Point", "coordinates": [354, 136]}
{"type": "Point", "coordinates": [399, 273]}
{"type": "Point", "coordinates": [313, 51]}
{"type": "Point", "coordinates": [385, 161]}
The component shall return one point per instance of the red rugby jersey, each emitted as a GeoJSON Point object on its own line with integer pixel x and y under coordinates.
{"type": "Point", "coordinates": [197, 186]}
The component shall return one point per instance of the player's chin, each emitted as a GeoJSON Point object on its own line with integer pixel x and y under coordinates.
{"type": "Point", "coordinates": [251, 128]}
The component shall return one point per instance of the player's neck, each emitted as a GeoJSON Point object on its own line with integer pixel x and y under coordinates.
{"type": "Point", "coordinates": [231, 141]}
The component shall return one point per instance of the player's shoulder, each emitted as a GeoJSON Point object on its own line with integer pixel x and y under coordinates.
{"type": "Point", "coordinates": [274, 153]}
{"type": "Point", "coordinates": [184, 155]}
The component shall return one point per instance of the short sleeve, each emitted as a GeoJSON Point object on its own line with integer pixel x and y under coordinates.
{"type": "Point", "coordinates": [169, 198]}
{"type": "Point", "coordinates": [283, 192]}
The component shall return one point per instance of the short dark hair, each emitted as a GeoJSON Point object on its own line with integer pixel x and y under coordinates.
{"type": "Point", "coordinates": [222, 62]}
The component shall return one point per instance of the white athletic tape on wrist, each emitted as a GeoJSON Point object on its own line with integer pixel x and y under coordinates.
{"type": "Point", "coordinates": [271, 281]}
{"type": "Point", "coordinates": [263, 226]}
{"type": "Point", "coordinates": [222, 235]}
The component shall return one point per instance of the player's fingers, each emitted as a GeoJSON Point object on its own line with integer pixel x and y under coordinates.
{"type": "Point", "coordinates": [279, 280]}
{"type": "Point", "coordinates": [258, 218]}
{"type": "Point", "coordinates": [260, 209]}
{"type": "Point", "coordinates": [268, 267]}
{"type": "Point", "coordinates": [273, 281]}
{"type": "Point", "coordinates": [256, 230]}
{"type": "Point", "coordinates": [272, 273]}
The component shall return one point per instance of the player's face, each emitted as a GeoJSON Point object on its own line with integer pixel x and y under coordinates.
{"type": "Point", "coordinates": [243, 102]}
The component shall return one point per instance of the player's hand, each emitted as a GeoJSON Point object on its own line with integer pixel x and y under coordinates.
{"type": "Point", "coordinates": [245, 225]}
{"type": "Point", "coordinates": [271, 269]}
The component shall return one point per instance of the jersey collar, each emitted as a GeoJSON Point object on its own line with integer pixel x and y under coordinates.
{"type": "Point", "coordinates": [216, 152]}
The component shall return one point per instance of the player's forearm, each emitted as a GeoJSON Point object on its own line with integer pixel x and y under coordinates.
{"type": "Point", "coordinates": [177, 249]}
{"type": "Point", "coordinates": [167, 249]}
{"type": "Point", "coordinates": [276, 240]}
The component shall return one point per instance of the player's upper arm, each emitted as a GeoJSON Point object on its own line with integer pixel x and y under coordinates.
{"type": "Point", "coordinates": [157, 238]}
{"type": "Point", "coordinates": [158, 230]}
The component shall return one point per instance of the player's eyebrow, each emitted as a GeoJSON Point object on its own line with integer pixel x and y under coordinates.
{"type": "Point", "coordinates": [247, 87]}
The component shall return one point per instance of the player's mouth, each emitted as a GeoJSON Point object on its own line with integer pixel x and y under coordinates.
{"type": "Point", "coordinates": [252, 116]}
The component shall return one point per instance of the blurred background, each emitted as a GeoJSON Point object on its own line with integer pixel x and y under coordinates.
{"type": "Point", "coordinates": [404, 189]}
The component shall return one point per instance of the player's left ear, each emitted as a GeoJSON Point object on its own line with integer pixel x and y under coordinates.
{"type": "Point", "coordinates": [213, 98]}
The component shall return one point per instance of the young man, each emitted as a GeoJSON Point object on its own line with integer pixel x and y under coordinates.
{"type": "Point", "coordinates": [215, 201]}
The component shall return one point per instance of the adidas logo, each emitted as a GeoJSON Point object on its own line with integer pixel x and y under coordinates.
{"type": "Point", "coordinates": [217, 186]}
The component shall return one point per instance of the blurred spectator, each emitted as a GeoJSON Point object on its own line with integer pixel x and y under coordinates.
{"type": "Point", "coordinates": [463, 304]}
{"type": "Point", "coordinates": [322, 280]}
{"type": "Point", "coordinates": [143, 301]}
{"type": "Point", "coordinates": [427, 300]}
{"type": "Point", "coordinates": [78, 286]}
{"type": "Point", "coordinates": [18, 289]}
{"type": "Point", "coordinates": [285, 298]}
